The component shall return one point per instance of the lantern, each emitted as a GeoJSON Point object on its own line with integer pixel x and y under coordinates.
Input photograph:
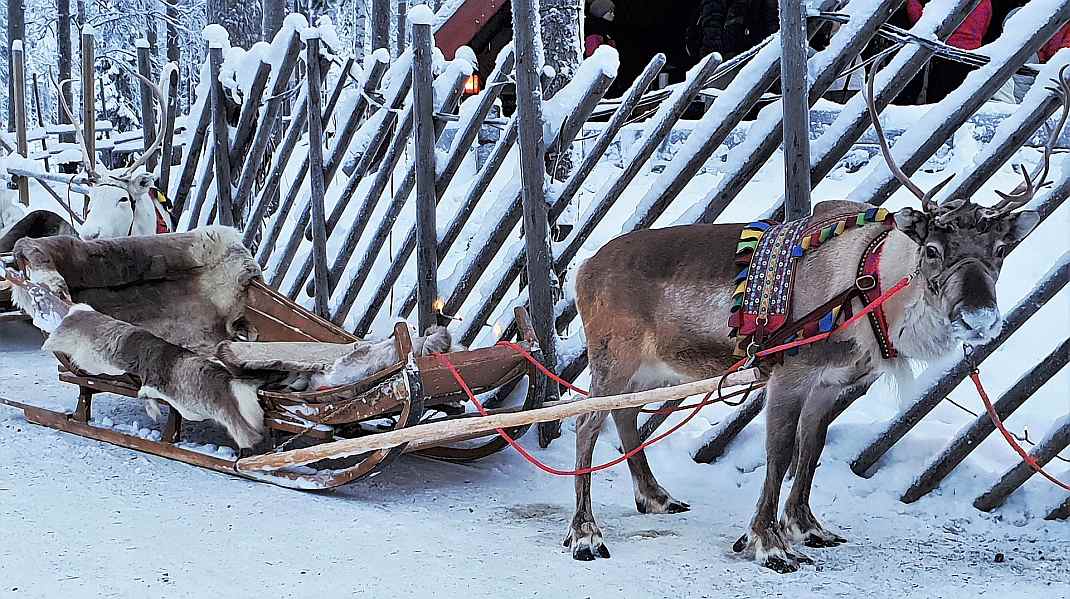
{"type": "Point", "coordinates": [472, 85]}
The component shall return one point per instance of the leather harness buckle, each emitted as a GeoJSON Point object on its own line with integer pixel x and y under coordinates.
{"type": "Point", "coordinates": [866, 282]}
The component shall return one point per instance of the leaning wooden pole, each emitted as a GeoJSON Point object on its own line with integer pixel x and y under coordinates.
{"type": "Point", "coordinates": [167, 149]}
{"type": "Point", "coordinates": [148, 111]}
{"type": "Point", "coordinates": [446, 430]}
{"type": "Point", "coordinates": [424, 165]}
{"type": "Point", "coordinates": [795, 85]}
{"type": "Point", "coordinates": [18, 76]}
{"type": "Point", "coordinates": [982, 426]}
{"type": "Point", "coordinates": [221, 136]}
{"type": "Point", "coordinates": [529, 61]}
{"type": "Point", "coordinates": [315, 178]}
{"type": "Point", "coordinates": [1014, 478]}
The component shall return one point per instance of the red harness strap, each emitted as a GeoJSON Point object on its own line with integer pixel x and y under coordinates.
{"type": "Point", "coordinates": [869, 284]}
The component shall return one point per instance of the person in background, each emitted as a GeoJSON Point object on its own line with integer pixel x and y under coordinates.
{"type": "Point", "coordinates": [944, 75]}
{"type": "Point", "coordinates": [598, 26]}
{"type": "Point", "coordinates": [1060, 40]}
{"type": "Point", "coordinates": [732, 26]}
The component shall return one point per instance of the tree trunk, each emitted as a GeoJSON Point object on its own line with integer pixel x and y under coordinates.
{"type": "Point", "coordinates": [152, 23]}
{"type": "Point", "coordinates": [63, 43]}
{"type": "Point", "coordinates": [561, 22]}
{"type": "Point", "coordinates": [16, 30]}
{"type": "Point", "coordinates": [274, 13]}
{"type": "Point", "coordinates": [241, 18]}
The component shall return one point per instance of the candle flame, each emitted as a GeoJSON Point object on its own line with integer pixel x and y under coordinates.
{"type": "Point", "coordinates": [438, 305]}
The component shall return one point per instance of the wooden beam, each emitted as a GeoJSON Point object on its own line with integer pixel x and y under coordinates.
{"type": "Point", "coordinates": [424, 170]}
{"type": "Point", "coordinates": [89, 98]}
{"type": "Point", "coordinates": [1014, 478]}
{"type": "Point", "coordinates": [427, 434]}
{"type": "Point", "coordinates": [795, 83]}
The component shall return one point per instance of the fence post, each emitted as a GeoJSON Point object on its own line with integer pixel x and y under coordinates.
{"type": "Point", "coordinates": [18, 75]}
{"type": "Point", "coordinates": [89, 98]}
{"type": "Point", "coordinates": [221, 135]}
{"type": "Point", "coordinates": [795, 84]}
{"type": "Point", "coordinates": [982, 426]}
{"type": "Point", "coordinates": [526, 41]}
{"type": "Point", "coordinates": [424, 113]}
{"type": "Point", "coordinates": [402, 21]}
{"type": "Point", "coordinates": [167, 149]}
{"type": "Point", "coordinates": [148, 112]}
{"type": "Point", "coordinates": [315, 167]}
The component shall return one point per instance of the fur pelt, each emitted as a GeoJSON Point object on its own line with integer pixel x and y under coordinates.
{"type": "Point", "coordinates": [198, 388]}
{"type": "Point", "coordinates": [186, 288]}
{"type": "Point", "coordinates": [39, 223]}
{"type": "Point", "coordinates": [322, 365]}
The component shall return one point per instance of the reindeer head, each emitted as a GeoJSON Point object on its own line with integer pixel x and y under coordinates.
{"type": "Point", "coordinates": [120, 203]}
{"type": "Point", "coordinates": [961, 245]}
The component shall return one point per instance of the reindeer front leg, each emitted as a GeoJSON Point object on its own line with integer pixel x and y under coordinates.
{"type": "Point", "coordinates": [784, 400]}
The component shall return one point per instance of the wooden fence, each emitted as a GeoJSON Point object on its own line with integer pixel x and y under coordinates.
{"type": "Point", "coordinates": [406, 237]}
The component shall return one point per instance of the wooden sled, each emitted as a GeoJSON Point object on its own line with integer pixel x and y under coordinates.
{"type": "Point", "coordinates": [400, 396]}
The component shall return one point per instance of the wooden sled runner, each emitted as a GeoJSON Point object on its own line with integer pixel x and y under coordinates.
{"type": "Point", "coordinates": [414, 390]}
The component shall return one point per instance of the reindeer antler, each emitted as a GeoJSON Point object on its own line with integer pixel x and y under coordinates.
{"type": "Point", "coordinates": [927, 203]}
{"type": "Point", "coordinates": [161, 99]}
{"type": "Point", "coordinates": [1039, 178]}
{"type": "Point", "coordinates": [87, 162]}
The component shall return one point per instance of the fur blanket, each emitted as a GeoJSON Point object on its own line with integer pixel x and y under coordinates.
{"type": "Point", "coordinates": [311, 366]}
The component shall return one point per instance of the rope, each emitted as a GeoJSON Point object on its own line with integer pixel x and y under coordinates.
{"type": "Point", "coordinates": [975, 376]}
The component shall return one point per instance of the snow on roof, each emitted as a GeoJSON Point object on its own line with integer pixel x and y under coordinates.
{"type": "Point", "coordinates": [216, 36]}
{"type": "Point", "coordinates": [421, 14]}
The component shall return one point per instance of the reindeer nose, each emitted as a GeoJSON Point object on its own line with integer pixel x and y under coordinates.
{"type": "Point", "coordinates": [985, 322]}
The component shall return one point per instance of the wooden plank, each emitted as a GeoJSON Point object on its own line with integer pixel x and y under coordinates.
{"type": "Point", "coordinates": [316, 187]}
{"type": "Point", "coordinates": [221, 136]}
{"type": "Point", "coordinates": [278, 166]}
{"type": "Point", "coordinates": [451, 429]}
{"type": "Point", "coordinates": [250, 110]}
{"type": "Point", "coordinates": [794, 81]}
{"type": "Point", "coordinates": [424, 168]}
{"type": "Point", "coordinates": [148, 111]}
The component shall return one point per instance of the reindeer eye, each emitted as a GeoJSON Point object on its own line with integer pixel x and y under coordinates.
{"type": "Point", "coordinates": [1000, 251]}
{"type": "Point", "coordinates": [932, 253]}
{"type": "Point", "coordinates": [124, 199]}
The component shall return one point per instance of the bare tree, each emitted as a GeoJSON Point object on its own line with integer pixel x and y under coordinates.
{"type": "Point", "coordinates": [241, 18]}
{"type": "Point", "coordinates": [274, 13]}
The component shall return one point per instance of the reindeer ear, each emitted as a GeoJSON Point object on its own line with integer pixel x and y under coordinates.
{"type": "Point", "coordinates": [1017, 225]}
{"type": "Point", "coordinates": [914, 223]}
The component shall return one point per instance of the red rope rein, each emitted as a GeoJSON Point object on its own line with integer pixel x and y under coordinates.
{"type": "Point", "coordinates": [975, 376]}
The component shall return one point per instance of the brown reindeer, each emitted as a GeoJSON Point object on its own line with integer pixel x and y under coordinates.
{"type": "Point", "coordinates": [655, 304]}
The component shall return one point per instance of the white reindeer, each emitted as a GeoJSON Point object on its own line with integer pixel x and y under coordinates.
{"type": "Point", "coordinates": [121, 202]}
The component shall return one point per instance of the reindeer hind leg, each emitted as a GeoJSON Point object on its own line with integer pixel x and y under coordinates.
{"type": "Point", "coordinates": [584, 537]}
{"type": "Point", "coordinates": [650, 497]}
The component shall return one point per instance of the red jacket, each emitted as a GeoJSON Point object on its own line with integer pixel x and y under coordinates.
{"type": "Point", "coordinates": [1060, 40]}
{"type": "Point", "coordinates": [970, 34]}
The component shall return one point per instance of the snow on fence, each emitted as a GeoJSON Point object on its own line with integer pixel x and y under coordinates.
{"type": "Point", "coordinates": [336, 201]}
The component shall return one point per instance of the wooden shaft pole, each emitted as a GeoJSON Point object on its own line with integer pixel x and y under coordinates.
{"type": "Point", "coordinates": [426, 199]}
{"type": "Point", "coordinates": [148, 110]}
{"type": "Point", "coordinates": [316, 187]}
{"type": "Point", "coordinates": [795, 85]}
{"type": "Point", "coordinates": [450, 429]}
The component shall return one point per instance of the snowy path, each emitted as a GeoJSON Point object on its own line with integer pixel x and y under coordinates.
{"type": "Point", "coordinates": [83, 519]}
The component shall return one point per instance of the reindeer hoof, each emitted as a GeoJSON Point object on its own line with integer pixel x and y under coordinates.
{"type": "Point", "coordinates": [586, 543]}
{"type": "Point", "coordinates": [780, 565]}
{"type": "Point", "coordinates": [800, 558]}
{"type": "Point", "coordinates": [819, 542]}
{"type": "Point", "coordinates": [740, 544]}
{"type": "Point", "coordinates": [660, 503]}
